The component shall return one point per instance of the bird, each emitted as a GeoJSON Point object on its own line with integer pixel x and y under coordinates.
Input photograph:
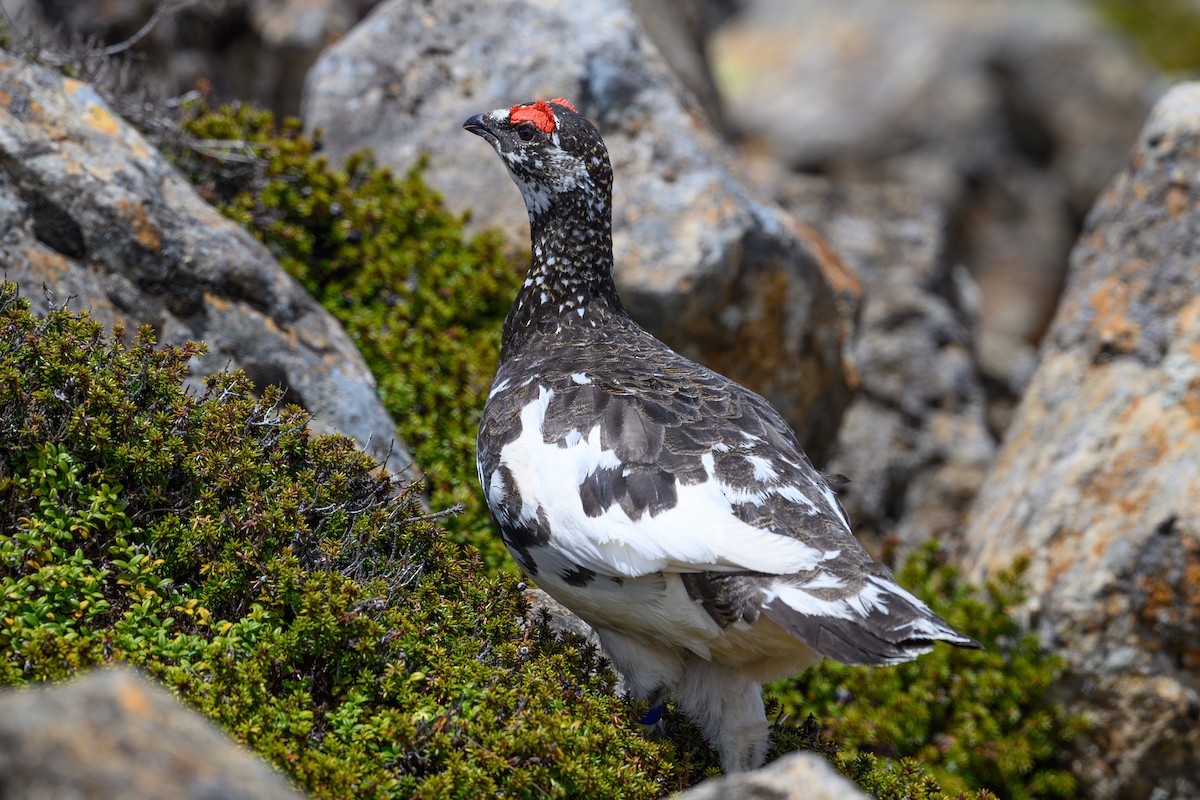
{"type": "Point", "coordinates": [669, 507]}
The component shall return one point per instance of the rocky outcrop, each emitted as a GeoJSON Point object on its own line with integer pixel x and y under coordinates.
{"type": "Point", "coordinates": [112, 734]}
{"type": "Point", "coordinates": [915, 441]}
{"type": "Point", "coordinates": [719, 275]}
{"type": "Point", "coordinates": [90, 210]}
{"type": "Point", "coordinates": [1010, 116]}
{"type": "Point", "coordinates": [1099, 477]}
{"type": "Point", "coordinates": [797, 776]}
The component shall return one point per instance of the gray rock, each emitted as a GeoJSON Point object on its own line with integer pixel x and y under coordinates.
{"type": "Point", "coordinates": [680, 31]}
{"type": "Point", "coordinates": [797, 776]}
{"type": "Point", "coordinates": [915, 441]}
{"type": "Point", "coordinates": [89, 209]}
{"type": "Point", "coordinates": [112, 735]}
{"type": "Point", "coordinates": [719, 275]}
{"type": "Point", "coordinates": [560, 618]}
{"type": "Point", "coordinates": [1012, 116]}
{"type": "Point", "coordinates": [1098, 475]}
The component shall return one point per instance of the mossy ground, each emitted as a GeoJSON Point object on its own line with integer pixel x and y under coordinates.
{"type": "Point", "coordinates": [278, 584]}
{"type": "Point", "coordinates": [422, 302]}
{"type": "Point", "coordinates": [302, 600]}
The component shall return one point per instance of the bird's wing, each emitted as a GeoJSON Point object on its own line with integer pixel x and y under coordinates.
{"type": "Point", "coordinates": [687, 475]}
{"type": "Point", "coordinates": [699, 477]}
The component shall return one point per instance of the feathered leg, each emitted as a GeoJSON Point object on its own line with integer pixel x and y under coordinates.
{"type": "Point", "coordinates": [728, 707]}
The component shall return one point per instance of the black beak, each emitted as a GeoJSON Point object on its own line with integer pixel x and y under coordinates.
{"type": "Point", "coordinates": [477, 126]}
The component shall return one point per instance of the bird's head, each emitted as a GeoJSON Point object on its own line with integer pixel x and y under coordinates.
{"type": "Point", "coordinates": [553, 154]}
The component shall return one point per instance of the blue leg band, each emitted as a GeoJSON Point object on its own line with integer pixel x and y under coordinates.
{"type": "Point", "coordinates": [653, 715]}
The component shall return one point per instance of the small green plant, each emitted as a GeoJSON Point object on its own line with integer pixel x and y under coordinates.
{"type": "Point", "coordinates": [278, 583]}
{"type": "Point", "coordinates": [1166, 31]}
{"type": "Point", "coordinates": [285, 589]}
{"type": "Point", "coordinates": [423, 303]}
{"type": "Point", "coordinates": [973, 719]}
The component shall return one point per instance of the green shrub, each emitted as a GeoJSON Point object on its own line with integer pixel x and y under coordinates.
{"type": "Point", "coordinates": [278, 584]}
{"type": "Point", "coordinates": [973, 719]}
{"type": "Point", "coordinates": [422, 303]}
{"type": "Point", "coordinates": [281, 587]}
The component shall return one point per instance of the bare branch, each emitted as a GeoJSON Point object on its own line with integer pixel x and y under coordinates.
{"type": "Point", "coordinates": [457, 508]}
{"type": "Point", "coordinates": [164, 9]}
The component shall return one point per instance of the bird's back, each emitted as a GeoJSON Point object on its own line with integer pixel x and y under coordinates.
{"type": "Point", "coordinates": [606, 455]}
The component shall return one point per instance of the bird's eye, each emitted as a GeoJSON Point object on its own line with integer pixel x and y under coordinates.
{"type": "Point", "coordinates": [525, 132]}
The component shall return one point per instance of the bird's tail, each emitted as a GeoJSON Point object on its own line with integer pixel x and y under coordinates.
{"type": "Point", "coordinates": [875, 621]}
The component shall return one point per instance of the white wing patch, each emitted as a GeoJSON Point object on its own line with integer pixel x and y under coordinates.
{"type": "Point", "coordinates": [764, 470]}
{"type": "Point", "coordinates": [870, 600]}
{"type": "Point", "coordinates": [497, 387]}
{"type": "Point", "coordinates": [699, 533]}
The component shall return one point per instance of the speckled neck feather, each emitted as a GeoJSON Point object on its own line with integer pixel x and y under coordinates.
{"type": "Point", "coordinates": [570, 280]}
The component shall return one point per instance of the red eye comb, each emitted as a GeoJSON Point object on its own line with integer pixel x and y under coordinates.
{"type": "Point", "coordinates": [540, 113]}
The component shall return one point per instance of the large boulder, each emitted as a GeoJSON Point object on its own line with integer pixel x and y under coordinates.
{"type": "Point", "coordinates": [90, 210]}
{"type": "Point", "coordinates": [720, 275]}
{"type": "Point", "coordinates": [1011, 116]}
{"type": "Point", "coordinates": [1099, 477]}
{"type": "Point", "coordinates": [111, 735]}
{"type": "Point", "coordinates": [915, 442]}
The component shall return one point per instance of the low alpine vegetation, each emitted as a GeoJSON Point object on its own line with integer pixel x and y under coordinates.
{"type": "Point", "coordinates": [278, 583]}
{"type": "Point", "coordinates": [289, 591]}
{"type": "Point", "coordinates": [422, 302]}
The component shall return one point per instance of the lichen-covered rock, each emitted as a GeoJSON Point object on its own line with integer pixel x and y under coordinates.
{"type": "Point", "coordinates": [1098, 477]}
{"type": "Point", "coordinates": [799, 776]}
{"type": "Point", "coordinates": [719, 275]}
{"type": "Point", "coordinates": [1011, 116]}
{"type": "Point", "coordinates": [112, 734]}
{"type": "Point", "coordinates": [915, 441]}
{"type": "Point", "coordinates": [89, 209]}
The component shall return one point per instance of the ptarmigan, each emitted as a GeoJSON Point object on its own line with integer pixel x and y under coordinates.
{"type": "Point", "coordinates": [666, 505]}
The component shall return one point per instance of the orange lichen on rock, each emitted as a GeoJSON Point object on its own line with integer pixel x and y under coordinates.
{"type": "Point", "coordinates": [1114, 331]}
{"type": "Point", "coordinates": [48, 265]}
{"type": "Point", "coordinates": [133, 698]}
{"type": "Point", "coordinates": [1178, 200]}
{"type": "Point", "coordinates": [100, 119]}
{"type": "Point", "coordinates": [143, 229]}
{"type": "Point", "coordinates": [1174, 601]}
{"type": "Point", "coordinates": [1121, 481]}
